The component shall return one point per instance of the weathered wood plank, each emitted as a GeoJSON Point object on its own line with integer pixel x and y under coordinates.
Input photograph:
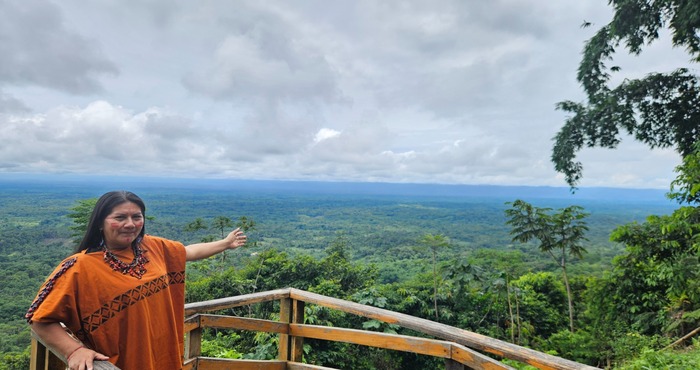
{"type": "Point", "coordinates": [237, 301]}
{"type": "Point", "coordinates": [442, 331]}
{"type": "Point", "coordinates": [193, 337]}
{"type": "Point", "coordinates": [243, 323]}
{"type": "Point", "coordinates": [451, 364]}
{"type": "Point", "coordinates": [296, 351]}
{"type": "Point", "coordinates": [191, 323]}
{"type": "Point", "coordinates": [404, 343]}
{"type": "Point", "coordinates": [37, 361]}
{"type": "Point", "coordinates": [423, 346]}
{"type": "Point", "coordinates": [284, 345]}
{"type": "Point", "coordinates": [103, 365]}
{"type": "Point", "coordinates": [193, 343]}
{"type": "Point", "coordinates": [475, 360]}
{"type": "Point", "coordinates": [300, 366]}
{"type": "Point", "coordinates": [207, 363]}
{"type": "Point", "coordinates": [190, 364]}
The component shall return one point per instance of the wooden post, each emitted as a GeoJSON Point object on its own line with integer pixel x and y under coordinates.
{"type": "Point", "coordinates": [37, 359]}
{"type": "Point", "coordinates": [285, 317]}
{"type": "Point", "coordinates": [193, 339]}
{"type": "Point", "coordinates": [297, 343]}
{"type": "Point", "coordinates": [451, 364]}
{"type": "Point", "coordinates": [193, 344]}
{"type": "Point", "coordinates": [41, 358]}
{"type": "Point", "coordinates": [54, 363]}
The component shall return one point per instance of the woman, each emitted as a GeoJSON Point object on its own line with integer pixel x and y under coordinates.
{"type": "Point", "coordinates": [122, 293]}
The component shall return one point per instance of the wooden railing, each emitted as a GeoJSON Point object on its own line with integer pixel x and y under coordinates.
{"type": "Point", "coordinates": [460, 348]}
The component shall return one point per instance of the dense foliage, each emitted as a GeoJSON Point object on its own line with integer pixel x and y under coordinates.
{"type": "Point", "coordinates": [660, 110]}
{"type": "Point", "coordinates": [652, 292]}
{"type": "Point", "coordinates": [373, 250]}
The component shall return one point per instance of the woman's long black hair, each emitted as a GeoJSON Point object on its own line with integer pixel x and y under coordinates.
{"type": "Point", "coordinates": [104, 206]}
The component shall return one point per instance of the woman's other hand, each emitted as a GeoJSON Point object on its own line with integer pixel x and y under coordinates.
{"type": "Point", "coordinates": [236, 239]}
{"type": "Point", "coordinates": [83, 357]}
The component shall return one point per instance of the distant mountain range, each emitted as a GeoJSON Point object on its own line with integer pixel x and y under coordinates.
{"type": "Point", "coordinates": [99, 184]}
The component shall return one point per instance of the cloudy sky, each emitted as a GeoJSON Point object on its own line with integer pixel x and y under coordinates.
{"type": "Point", "coordinates": [457, 92]}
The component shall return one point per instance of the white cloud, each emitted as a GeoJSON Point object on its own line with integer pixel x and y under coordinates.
{"type": "Point", "coordinates": [325, 134]}
{"type": "Point", "coordinates": [449, 91]}
{"type": "Point", "coordinates": [102, 138]}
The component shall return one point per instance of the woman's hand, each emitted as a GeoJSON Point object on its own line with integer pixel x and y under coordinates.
{"type": "Point", "coordinates": [198, 251]}
{"type": "Point", "coordinates": [83, 357]}
{"type": "Point", "coordinates": [236, 239]}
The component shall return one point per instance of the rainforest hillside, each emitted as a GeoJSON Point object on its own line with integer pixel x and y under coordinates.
{"type": "Point", "coordinates": [379, 227]}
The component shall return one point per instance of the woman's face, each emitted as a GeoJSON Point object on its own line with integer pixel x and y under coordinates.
{"type": "Point", "coordinates": [121, 227]}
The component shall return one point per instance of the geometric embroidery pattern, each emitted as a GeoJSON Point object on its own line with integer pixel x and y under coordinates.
{"type": "Point", "coordinates": [119, 303]}
{"type": "Point", "coordinates": [47, 288]}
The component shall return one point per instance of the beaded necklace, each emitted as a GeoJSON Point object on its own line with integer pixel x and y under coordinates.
{"type": "Point", "coordinates": [137, 266]}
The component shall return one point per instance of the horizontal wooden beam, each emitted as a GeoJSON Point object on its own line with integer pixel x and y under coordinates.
{"type": "Point", "coordinates": [208, 363]}
{"type": "Point", "coordinates": [422, 346]}
{"type": "Point", "coordinates": [237, 301]}
{"type": "Point", "coordinates": [300, 366]}
{"type": "Point", "coordinates": [475, 360]}
{"type": "Point", "coordinates": [243, 323]}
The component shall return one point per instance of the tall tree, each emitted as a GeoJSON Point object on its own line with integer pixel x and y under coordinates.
{"type": "Point", "coordinates": [503, 284]}
{"type": "Point", "coordinates": [246, 224]}
{"type": "Point", "coordinates": [196, 225]}
{"type": "Point", "coordinates": [222, 223]}
{"type": "Point", "coordinates": [434, 243]}
{"type": "Point", "coordinates": [80, 214]}
{"type": "Point", "coordinates": [559, 233]}
{"type": "Point", "coordinates": [661, 110]}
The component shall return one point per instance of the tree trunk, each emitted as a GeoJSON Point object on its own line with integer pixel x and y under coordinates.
{"type": "Point", "coordinates": [435, 285]}
{"type": "Point", "coordinates": [568, 295]}
{"type": "Point", "coordinates": [510, 311]}
{"type": "Point", "coordinates": [517, 316]}
{"type": "Point", "coordinates": [679, 341]}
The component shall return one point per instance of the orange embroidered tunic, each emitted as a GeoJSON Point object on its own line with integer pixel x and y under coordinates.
{"type": "Point", "coordinates": [138, 323]}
